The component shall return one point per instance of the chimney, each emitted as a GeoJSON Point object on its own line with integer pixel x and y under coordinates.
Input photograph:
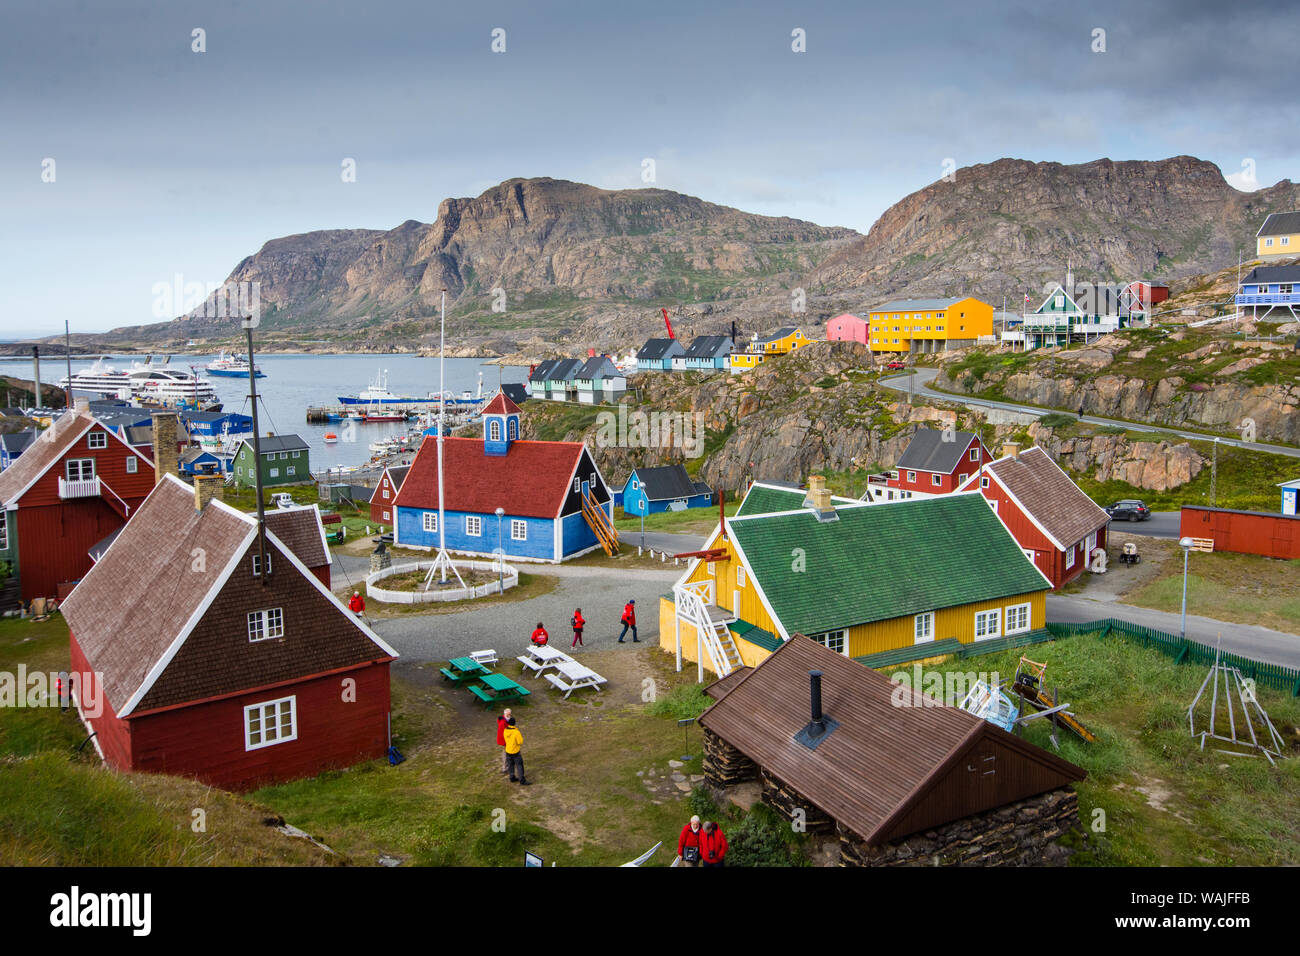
{"type": "Point", "coordinates": [1011, 449]}
{"type": "Point", "coordinates": [81, 404]}
{"type": "Point", "coordinates": [36, 374]}
{"type": "Point", "coordinates": [166, 458]}
{"type": "Point", "coordinates": [819, 498]}
{"type": "Point", "coordinates": [818, 725]}
{"type": "Point", "coordinates": [207, 488]}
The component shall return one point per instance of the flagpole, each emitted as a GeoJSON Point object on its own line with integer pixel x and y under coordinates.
{"type": "Point", "coordinates": [443, 560]}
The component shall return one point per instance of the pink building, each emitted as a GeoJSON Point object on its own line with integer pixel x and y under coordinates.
{"type": "Point", "coordinates": [847, 328]}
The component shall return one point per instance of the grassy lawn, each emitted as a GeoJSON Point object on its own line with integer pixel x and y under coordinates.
{"type": "Point", "coordinates": [1232, 587]}
{"type": "Point", "coordinates": [690, 521]}
{"type": "Point", "coordinates": [1165, 802]}
{"type": "Point", "coordinates": [589, 759]}
{"type": "Point", "coordinates": [529, 587]}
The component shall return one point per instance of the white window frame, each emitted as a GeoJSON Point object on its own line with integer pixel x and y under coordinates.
{"type": "Point", "coordinates": [923, 628]}
{"type": "Point", "coordinates": [974, 454]}
{"type": "Point", "coordinates": [577, 484]}
{"type": "Point", "coordinates": [494, 429]}
{"type": "Point", "coordinates": [1069, 556]}
{"type": "Point", "coordinates": [474, 526]}
{"type": "Point", "coordinates": [97, 441]}
{"type": "Point", "coordinates": [984, 481]}
{"type": "Point", "coordinates": [387, 494]}
{"type": "Point", "coordinates": [132, 465]}
{"type": "Point", "coordinates": [4, 530]}
{"type": "Point", "coordinates": [290, 470]}
{"type": "Point", "coordinates": [911, 475]}
{"type": "Point", "coordinates": [740, 576]}
{"type": "Point", "coordinates": [709, 569]}
{"type": "Point", "coordinates": [430, 522]}
{"type": "Point", "coordinates": [990, 621]}
{"type": "Point", "coordinates": [277, 709]}
{"type": "Point", "coordinates": [1015, 611]}
{"type": "Point", "coordinates": [257, 565]}
{"type": "Point", "coordinates": [1089, 543]}
{"type": "Point", "coordinates": [1268, 242]}
{"type": "Point", "coordinates": [284, 456]}
{"type": "Point", "coordinates": [993, 503]}
{"type": "Point", "coordinates": [267, 624]}
{"type": "Point", "coordinates": [936, 480]}
{"type": "Point", "coordinates": [1031, 554]}
{"type": "Point", "coordinates": [81, 463]}
{"type": "Point", "coordinates": [825, 639]}
{"type": "Point", "coordinates": [274, 473]}
{"type": "Point", "coordinates": [518, 530]}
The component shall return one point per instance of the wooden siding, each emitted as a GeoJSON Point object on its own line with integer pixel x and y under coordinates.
{"type": "Point", "coordinates": [55, 541]}
{"type": "Point", "coordinates": [1243, 532]}
{"type": "Point", "coordinates": [381, 508]}
{"type": "Point", "coordinates": [112, 734]}
{"type": "Point", "coordinates": [206, 740]}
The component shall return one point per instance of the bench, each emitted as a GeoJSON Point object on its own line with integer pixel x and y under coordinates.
{"type": "Point", "coordinates": [484, 657]}
{"type": "Point", "coordinates": [481, 694]}
{"type": "Point", "coordinates": [534, 665]}
{"type": "Point", "coordinates": [559, 683]}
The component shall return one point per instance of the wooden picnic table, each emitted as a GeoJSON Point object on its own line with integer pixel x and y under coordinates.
{"type": "Point", "coordinates": [499, 688]}
{"type": "Point", "coordinates": [575, 675]}
{"type": "Point", "coordinates": [540, 657]}
{"type": "Point", "coordinates": [463, 668]}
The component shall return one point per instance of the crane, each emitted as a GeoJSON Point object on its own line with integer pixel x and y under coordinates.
{"type": "Point", "coordinates": [667, 323]}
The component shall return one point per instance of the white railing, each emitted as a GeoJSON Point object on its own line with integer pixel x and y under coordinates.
{"type": "Point", "coordinates": [126, 509]}
{"type": "Point", "coordinates": [83, 488]}
{"type": "Point", "coordinates": [692, 607]}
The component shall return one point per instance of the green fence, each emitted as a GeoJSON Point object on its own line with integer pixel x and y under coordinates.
{"type": "Point", "coordinates": [1171, 645]}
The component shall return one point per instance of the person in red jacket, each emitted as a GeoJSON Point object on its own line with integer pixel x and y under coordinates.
{"type": "Point", "coordinates": [713, 845]}
{"type": "Point", "coordinates": [688, 844]}
{"type": "Point", "coordinates": [540, 637]}
{"type": "Point", "coordinates": [358, 604]}
{"type": "Point", "coordinates": [501, 739]}
{"type": "Point", "coordinates": [578, 624]}
{"type": "Point", "coordinates": [629, 621]}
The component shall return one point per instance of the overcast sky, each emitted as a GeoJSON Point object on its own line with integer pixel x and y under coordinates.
{"type": "Point", "coordinates": [169, 161]}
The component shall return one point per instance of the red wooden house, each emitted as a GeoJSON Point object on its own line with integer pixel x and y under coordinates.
{"type": "Point", "coordinates": [381, 502]}
{"type": "Point", "coordinates": [73, 486]}
{"type": "Point", "coordinates": [935, 463]}
{"type": "Point", "coordinates": [194, 659]}
{"type": "Point", "coordinates": [1053, 521]}
{"type": "Point", "coordinates": [301, 528]}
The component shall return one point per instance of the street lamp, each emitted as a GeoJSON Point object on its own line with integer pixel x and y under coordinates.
{"type": "Point", "coordinates": [501, 554]}
{"type": "Point", "coordinates": [1186, 544]}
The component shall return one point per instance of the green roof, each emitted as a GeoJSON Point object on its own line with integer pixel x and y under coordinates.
{"type": "Point", "coordinates": [764, 499]}
{"type": "Point", "coordinates": [755, 635]}
{"type": "Point", "coordinates": [882, 561]}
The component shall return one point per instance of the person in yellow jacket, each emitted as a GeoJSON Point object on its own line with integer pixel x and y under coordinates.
{"type": "Point", "coordinates": [514, 756]}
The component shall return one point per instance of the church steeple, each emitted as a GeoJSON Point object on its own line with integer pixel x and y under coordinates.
{"type": "Point", "coordinates": [500, 425]}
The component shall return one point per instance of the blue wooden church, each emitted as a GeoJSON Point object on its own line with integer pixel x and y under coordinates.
{"type": "Point", "coordinates": [554, 501]}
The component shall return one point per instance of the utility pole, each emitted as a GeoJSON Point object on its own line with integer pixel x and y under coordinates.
{"type": "Point", "coordinates": [257, 457]}
{"type": "Point", "coordinates": [67, 348]}
{"type": "Point", "coordinates": [1214, 476]}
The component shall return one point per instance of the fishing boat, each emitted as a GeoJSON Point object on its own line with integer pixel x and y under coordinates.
{"type": "Point", "coordinates": [383, 417]}
{"type": "Point", "coordinates": [331, 438]}
{"type": "Point", "coordinates": [232, 366]}
{"type": "Point", "coordinates": [377, 393]}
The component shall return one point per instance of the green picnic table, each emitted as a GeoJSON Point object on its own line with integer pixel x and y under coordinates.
{"type": "Point", "coordinates": [463, 668]}
{"type": "Point", "coordinates": [500, 688]}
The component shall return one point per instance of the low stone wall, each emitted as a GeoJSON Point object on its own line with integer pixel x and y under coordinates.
{"type": "Point", "coordinates": [1020, 834]}
{"type": "Point", "coordinates": [510, 578]}
{"type": "Point", "coordinates": [788, 802]}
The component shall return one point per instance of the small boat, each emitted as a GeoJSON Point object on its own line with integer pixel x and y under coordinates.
{"type": "Point", "coordinates": [232, 366]}
{"type": "Point", "coordinates": [331, 438]}
{"type": "Point", "coordinates": [384, 417]}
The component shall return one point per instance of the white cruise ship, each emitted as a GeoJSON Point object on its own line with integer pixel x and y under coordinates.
{"type": "Point", "coordinates": [172, 386]}
{"type": "Point", "coordinates": [102, 379]}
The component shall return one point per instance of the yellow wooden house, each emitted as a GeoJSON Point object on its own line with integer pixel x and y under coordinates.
{"type": "Point", "coordinates": [858, 578]}
{"type": "Point", "coordinates": [1279, 236]}
{"type": "Point", "coordinates": [928, 325]}
{"type": "Point", "coordinates": [783, 340]}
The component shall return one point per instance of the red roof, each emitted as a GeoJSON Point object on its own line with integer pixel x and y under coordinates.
{"type": "Point", "coordinates": [501, 405]}
{"type": "Point", "coordinates": [531, 480]}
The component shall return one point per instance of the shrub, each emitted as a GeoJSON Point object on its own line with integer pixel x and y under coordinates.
{"type": "Point", "coordinates": [700, 803]}
{"type": "Point", "coordinates": [685, 700]}
{"type": "Point", "coordinates": [1056, 420]}
{"type": "Point", "coordinates": [764, 839]}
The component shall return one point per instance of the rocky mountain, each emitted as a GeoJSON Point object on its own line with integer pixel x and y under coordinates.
{"type": "Point", "coordinates": [533, 266]}
{"type": "Point", "coordinates": [1009, 227]}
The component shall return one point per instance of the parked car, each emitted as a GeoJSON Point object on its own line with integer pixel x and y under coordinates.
{"type": "Point", "coordinates": [1129, 509]}
{"type": "Point", "coordinates": [894, 365]}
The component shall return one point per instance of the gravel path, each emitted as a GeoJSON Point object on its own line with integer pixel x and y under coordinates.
{"type": "Point", "coordinates": [506, 627]}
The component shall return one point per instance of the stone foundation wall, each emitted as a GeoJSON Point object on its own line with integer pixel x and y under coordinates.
{"type": "Point", "coordinates": [1019, 834]}
{"type": "Point", "coordinates": [787, 801]}
{"type": "Point", "coordinates": [724, 765]}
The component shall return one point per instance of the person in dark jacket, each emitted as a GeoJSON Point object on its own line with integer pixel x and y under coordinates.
{"type": "Point", "coordinates": [514, 752]}
{"type": "Point", "coordinates": [540, 637]}
{"type": "Point", "coordinates": [629, 621]}
{"type": "Point", "coordinates": [688, 844]}
{"type": "Point", "coordinates": [713, 845]}
{"type": "Point", "coordinates": [578, 624]}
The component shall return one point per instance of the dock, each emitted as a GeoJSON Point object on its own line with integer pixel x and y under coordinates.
{"type": "Point", "coordinates": [456, 413]}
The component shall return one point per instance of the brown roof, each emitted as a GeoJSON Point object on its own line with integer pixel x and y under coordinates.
{"type": "Point", "coordinates": [150, 612]}
{"type": "Point", "coordinates": [47, 449]}
{"type": "Point", "coordinates": [300, 528]}
{"type": "Point", "coordinates": [892, 766]}
{"type": "Point", "coordinates": [1047, 494]}
{"type": "Point", "coordinates": [721, 687]}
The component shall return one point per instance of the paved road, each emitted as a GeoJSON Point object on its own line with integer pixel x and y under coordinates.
{"type": "Point", "coordinates": [1259, 643]}
{"type": "Point", "coordinates": [1161, 524]}
{"type": "Point", "coordinates": [920, 385]}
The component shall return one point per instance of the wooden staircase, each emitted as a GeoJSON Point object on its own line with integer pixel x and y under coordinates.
{"type": "Point", "coordinates": [600, 523]}
{"type": "Point", "coordinates": [710, 624]}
